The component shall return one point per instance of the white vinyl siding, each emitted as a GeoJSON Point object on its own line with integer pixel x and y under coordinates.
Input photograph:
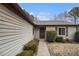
{"type": "Point", "coordinates": [50, 28]}
{"type": "Point", "coordinates": [71, 32]}
{"type": "Point", "coordinates": [36, 33]}
{"type": "Point", "coordinates": [14, 32]}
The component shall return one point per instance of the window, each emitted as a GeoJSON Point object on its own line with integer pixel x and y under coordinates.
{"type": "Point", "coordinates": [61, 31]}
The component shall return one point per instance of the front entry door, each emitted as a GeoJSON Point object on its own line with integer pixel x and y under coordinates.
{"type": "Point", "coordinates": [42, 32]}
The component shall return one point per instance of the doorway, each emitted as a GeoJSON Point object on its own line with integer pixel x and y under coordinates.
{"type": "Point", "coordinates": [42, 32]}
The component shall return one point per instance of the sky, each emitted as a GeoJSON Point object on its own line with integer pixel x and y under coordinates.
{"type": "Point", "coordinates": [47, 11]}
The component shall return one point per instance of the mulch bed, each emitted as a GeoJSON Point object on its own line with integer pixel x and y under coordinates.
{"type": "Point", "coordinates": [63, 49]}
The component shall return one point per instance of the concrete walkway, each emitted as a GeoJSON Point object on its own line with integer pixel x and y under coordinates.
{"type": "Point", "coordinates": [42, 49]}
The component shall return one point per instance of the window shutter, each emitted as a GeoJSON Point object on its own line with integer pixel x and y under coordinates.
{"type": "Point", "coordinates": [66, 30]}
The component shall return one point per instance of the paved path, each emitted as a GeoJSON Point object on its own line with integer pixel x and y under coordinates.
{"type": "Point", "coordinates": [42, 49]}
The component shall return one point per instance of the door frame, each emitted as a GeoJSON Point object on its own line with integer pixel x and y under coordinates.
{"type": "Point", "coordinates": [42, 32]}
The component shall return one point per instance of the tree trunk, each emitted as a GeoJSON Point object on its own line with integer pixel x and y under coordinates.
{"type": "Point", "coordinates": [75, 19]}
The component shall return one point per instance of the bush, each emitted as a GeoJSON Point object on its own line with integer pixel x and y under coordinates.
{"type": "Point", "coordinates": [36, 40]}
{"type": "Point", "coordinates": [26, 53]}
{"type": "Point", "coordinates": [51, 36]}
{"type": "Point", "coordinates": [59, 39]}
{"type": "Point", "coordinates": [30, 48]}
{"type": "Point", "coordinates": [76, 36]}
{"type": "Point", "coordinates": [32, 45]}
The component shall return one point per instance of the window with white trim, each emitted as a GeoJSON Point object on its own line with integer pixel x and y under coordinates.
{"type": "Point", "coordinates": [61, 31]}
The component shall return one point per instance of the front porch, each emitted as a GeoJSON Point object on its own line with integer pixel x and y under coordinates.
{"type": "Point", "coordinates": [40, 32]}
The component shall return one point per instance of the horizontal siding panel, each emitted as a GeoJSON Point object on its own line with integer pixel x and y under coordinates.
{"type": "Point", "coordinates": [13, 52]}
{"type": "Point", "coordinates": [9, 30]}
{"type": "Point", "coordinates": [3, 35]}
{"type": "Point", "coordinates": [7, 37]}
{"type": "Point", "coordinates": [3, 41]}
{"type": "Point", "coordinates": [2, 22]}
{"type": "Point", "coordinates": [12, 48]}
{"type": "Point", "coordinates": [9, 43]}
{"type": "Point", "coordinates": [11, 26]}
{"type": "Point", "coordinates": [9, 20]}
{"type": "Point", "coordinates": [14, 32]}
{"type": "Point", "coordinates": [10, 15]}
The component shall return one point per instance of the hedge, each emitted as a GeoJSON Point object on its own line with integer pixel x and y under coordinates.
{"type": "Point", "coordinates": [32, 45]}
{"type": "Point", "coordinates": [26, 53]}
{"type": "Point", "coordinates": [30, 48]}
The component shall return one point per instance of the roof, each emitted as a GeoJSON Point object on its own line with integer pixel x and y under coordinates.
{"type": "Point", "coordinates": [54, 22]}
{"type": "Point", "coordinates": [14, 7]}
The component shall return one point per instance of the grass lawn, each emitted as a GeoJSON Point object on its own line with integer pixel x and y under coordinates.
{"type": "Point", "coordinates": [63, 49]}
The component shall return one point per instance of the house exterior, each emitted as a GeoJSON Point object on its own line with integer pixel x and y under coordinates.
{"type": "Point", "coordinates": [62, 28]}
{"type": "Point", "coordinates": [17, 28]}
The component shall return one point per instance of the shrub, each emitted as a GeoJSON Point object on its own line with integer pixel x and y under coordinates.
{"type": "Point", "coordinates": [76, 36]}
{"type": "Point", "coordinates": [26, 53]}
{"type": "Point", "coordinates": [51, 36]}
{"type": "Point", "coordinates": [30, 48]}
{"type": "Point", "coordinates": [59, 39]}
{"type": "Point", "coordinates": [36, 40]}
{"type": "Point", "coordinates": [32, 45]}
